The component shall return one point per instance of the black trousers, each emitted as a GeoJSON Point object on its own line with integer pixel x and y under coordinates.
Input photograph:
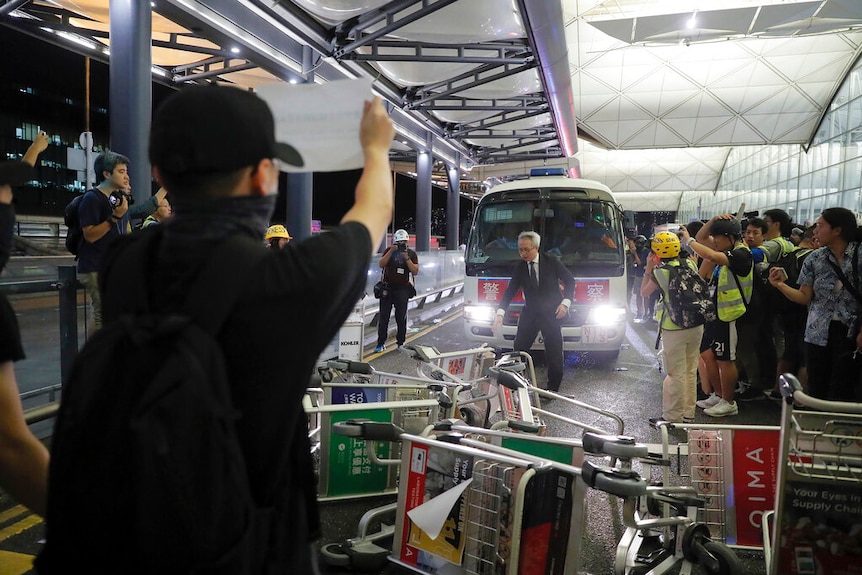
{"type": "Point", "coordinates": [397, 298]}
{"type": "Point", "coordinates": [530, 324]}
{"type": "Point", "coordinates": [833, 373]}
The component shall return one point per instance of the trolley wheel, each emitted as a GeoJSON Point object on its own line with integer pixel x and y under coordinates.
{"type": "Point", "coordinates": [471, 416]}
{"type": "Point", "coordinates": [363, 556]}
{"type": "Point", "coordinates": [693, 539]}
{"type": "Point", "coordinates": [333, 554]}
{"type": "Point", "coordinates": [722, 560]}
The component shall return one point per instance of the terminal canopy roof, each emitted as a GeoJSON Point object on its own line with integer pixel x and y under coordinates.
{"type": "Point", "coordinates": [642, 95]}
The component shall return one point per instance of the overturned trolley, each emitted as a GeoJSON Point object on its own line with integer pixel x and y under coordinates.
{"type": "Point", "coordinates": [468, 509]}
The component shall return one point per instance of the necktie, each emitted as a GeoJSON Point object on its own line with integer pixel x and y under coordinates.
{"type": "Point", "coordinates": [533, 274]}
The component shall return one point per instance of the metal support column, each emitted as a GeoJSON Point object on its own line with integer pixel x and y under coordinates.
{"type": "Point", "coordinates": [68, 284]}
{"type": "Point", "coordinates": [453, 205]}
{"type": "Point", "coordinates": [424, 162]}
{"type": "Point", "coordinates": [300, 186]}
{"type": "Point", "coordinates": [131, 90]}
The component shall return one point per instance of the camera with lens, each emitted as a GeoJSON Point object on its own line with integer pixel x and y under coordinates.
{"type": "Point", "coordinates": [116, 198]}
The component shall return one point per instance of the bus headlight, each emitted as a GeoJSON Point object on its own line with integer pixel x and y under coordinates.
{"type": "Point", "coordinates": [606, 315]}
{"type": "Point", "coordinates": [479, 313]}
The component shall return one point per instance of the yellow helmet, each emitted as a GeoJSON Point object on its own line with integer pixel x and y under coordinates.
{"type": "Point", "coordinates": [276, 231]}
{"type": "Point", "coordinates": [665, 245]}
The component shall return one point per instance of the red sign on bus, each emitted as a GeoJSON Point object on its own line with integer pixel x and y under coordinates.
{"type": "Point", "coordinates": [587, 291]}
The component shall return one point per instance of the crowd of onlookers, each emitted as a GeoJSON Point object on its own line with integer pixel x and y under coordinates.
{"type": "Point", "coordinates": [788, 299]}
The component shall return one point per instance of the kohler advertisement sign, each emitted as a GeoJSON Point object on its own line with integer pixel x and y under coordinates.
{"type": "Point", "coordinates": [350, 341]}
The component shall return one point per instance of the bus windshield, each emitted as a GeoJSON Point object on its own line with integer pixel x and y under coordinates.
{"type": "Point", "coordinates": [586, 234]}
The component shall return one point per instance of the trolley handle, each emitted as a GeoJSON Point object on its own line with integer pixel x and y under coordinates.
{"type": "Point", "coordinates": [791, 391]}
{"type": "Point", "coordinates": [508, 378]}
{"type": "Point", "coordinates": [511, 363]}
{"type": "Point", "coordinates": [358, 367]}
{"type": "Point", "coordinates": [367, 429]}
{"type": "Point", "coordinates": [621, 482]}
{"type": "Point", "coordinates": [420, 352]}
{"type": "Point", "coordinates": [621, 446]}
{"type": "Point", "coordinates": [525, 426]}
{"type": "Point", "coordinates": [316, 380]}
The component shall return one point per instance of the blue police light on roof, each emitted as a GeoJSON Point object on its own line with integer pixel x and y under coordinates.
{"type": "Point", "coordinates": [547, 172]}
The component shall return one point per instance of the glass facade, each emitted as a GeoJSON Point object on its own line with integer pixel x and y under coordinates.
{"type": "Point", "coordinates": [800, 182]}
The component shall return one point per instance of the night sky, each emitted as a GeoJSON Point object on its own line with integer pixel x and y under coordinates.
{"type": "Point", "coordinates": [58, 79]}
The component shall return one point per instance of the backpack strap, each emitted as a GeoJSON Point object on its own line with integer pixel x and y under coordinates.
{"type": "Point", "coordinates": [848, 285]}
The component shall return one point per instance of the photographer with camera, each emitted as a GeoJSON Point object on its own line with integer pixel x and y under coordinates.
{"type": "Point", "coordinates": [398, 262]}
{"type": "Point", "coordinates": [104, 215]}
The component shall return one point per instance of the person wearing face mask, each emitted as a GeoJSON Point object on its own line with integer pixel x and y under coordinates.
{"type": "Point", "coordinates": [398, 263]}
{"type": "Point", "coordinates": [215, 149]}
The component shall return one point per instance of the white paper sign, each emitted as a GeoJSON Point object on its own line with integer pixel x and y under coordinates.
{"type": "Point", "coordinates": [321, 121]}
{"type": "Point", "coordinates": [431, 515]}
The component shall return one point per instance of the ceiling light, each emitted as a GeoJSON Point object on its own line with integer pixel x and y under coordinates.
{"type": "Point", "coordinates": [234, 50]}
{"type": "Point", "coordinates": [692, 22]}
{"type": "Point", "coordinates": [74, 38]}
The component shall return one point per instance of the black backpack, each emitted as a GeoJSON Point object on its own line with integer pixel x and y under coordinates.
{"type": "Point", "coordinates": [74, 233]}
{"type": "Point", "coordinates": [791, 260]}
{"type": "Point", "coordinates": [147, 474]}
{"type": "Point", "coordinates": [688, 301]}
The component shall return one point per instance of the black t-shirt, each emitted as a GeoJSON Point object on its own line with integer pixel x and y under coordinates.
{"type": "Point", "coordinates": [94, 209]}
{"type": "Point", "coordinates": [293, 304]}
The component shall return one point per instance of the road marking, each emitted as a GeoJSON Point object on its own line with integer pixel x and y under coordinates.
{"type": "Point", "coordinates": [20, 526]}
{"type": "Point", "coordinates": [15, 563]}
{"type": "Point", "coordinates": [455, 315]}
{"type": "Point", "coordinates": [12, 512]}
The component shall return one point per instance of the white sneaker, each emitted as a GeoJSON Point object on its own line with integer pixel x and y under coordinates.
{"type": "Point", "coordinates": [722, 409]}
{"type": "Point", "coordinates": [708, 402]}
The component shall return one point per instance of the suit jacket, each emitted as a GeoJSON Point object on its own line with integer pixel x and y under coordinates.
{"type": "Point", "coordinates": [545, 297]}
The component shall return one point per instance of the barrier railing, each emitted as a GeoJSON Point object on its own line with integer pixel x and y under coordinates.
{"type": "Point", "coordinates": [440, 278]}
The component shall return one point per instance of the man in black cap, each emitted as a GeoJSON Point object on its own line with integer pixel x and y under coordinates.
{"type": "Point", "coordinates": [214, 148]}
{"type": "Point", "coordinates": [23, 458]}
{"type": "Point", "coordinates": [729, 267]}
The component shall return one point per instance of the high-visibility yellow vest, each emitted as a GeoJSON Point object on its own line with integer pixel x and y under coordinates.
{"type": "Point", "coordinates": [730, 304]}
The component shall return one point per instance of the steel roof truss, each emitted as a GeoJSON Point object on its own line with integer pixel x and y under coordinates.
{"type": "Point", "coordinates": [452, 88]}
{"type": "Point", "coordinates": [354, 31]}
{"type": "Point", "coordinates": [499, 54]}
{"type": "Point", "coordinates": [503, 119]}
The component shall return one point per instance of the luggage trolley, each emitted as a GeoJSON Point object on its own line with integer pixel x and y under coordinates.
{"type": "Point", "coordinates": [344, 468]}
{"type": "Point", "coordinates": [817, 526]}
{"type": "Point", "coordinates": [469, 506]}
{"type": "Point", "coordinates": [732, 468]}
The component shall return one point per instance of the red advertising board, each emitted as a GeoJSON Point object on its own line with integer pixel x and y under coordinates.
{"type": "Point", "coordinates": [755, 467]}
{"type": "Point", "coordinates": [586, 291]}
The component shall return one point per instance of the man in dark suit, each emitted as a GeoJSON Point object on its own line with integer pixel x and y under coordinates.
{"type": "Point", "coordinates": [539, 276]}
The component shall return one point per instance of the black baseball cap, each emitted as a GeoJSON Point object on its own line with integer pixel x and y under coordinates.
{"type": "Point", "coordinates": [725, 228]}
{"type": "Point", "coordinates": [211, 129]}
{"type": "Point", "coordinates": [15, 173]}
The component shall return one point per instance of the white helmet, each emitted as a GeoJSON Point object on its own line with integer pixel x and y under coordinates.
{"type": "Point", "coordinates": [401, 236]}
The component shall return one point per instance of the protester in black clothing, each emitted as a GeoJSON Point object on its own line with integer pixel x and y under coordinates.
{"type": "Point", "coordinates": [215, 149]}
{"type": "Point", "coordinates": [539, 277]}
{"type": "Point", "coordinates": [23, 458]}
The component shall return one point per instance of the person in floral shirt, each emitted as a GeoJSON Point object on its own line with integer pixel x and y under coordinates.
{"type": "Point", "coordinates": [832, 334]}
